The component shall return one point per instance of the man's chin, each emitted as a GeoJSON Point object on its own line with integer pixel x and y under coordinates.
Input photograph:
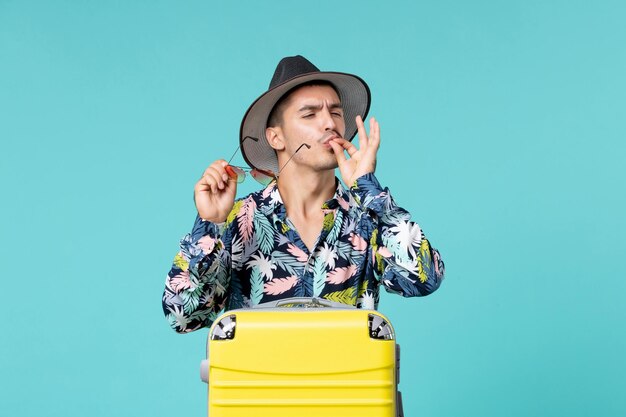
{"type": "Point", "coordinates": [330, 165]}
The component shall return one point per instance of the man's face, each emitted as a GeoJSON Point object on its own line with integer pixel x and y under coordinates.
{"type": "Point", "coordinates": [313, 115]}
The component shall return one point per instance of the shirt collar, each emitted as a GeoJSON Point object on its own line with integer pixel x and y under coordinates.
{"type": "Point", "coordinates": [272, 202]}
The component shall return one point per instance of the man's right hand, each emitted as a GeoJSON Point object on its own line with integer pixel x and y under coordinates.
{"type": "Point", "coordinates": [214, 193]}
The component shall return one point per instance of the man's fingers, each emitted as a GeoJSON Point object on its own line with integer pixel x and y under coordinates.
{"type": "Point", "coordinates": [219, 166]}
{"type": "Point", "coordinates": [338, 150]}
{"type": "Point", "coordinates": [218, 174]}
{"type": "Point", "coordinates": [205, 183]}
{"type": "Point", "coordinates": [363, 139]}
{"type": "Point", "coordinates": [345, 145]}
{"type": "Point", "coordinates": [212, 179]}
{"type": "Point", "coordinates": [376, 130]}
{"type": "Point", "coordinates": [372, 127]}
{"type": "Point", "coordinates": [374, 137]}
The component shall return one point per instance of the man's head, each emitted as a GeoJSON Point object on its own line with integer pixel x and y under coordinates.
{"type": "Point", "coordinates": [276, 115]}
{"type": "Point", "coordinates": [293, 75]}
{"type": "Point", "coordinates": [311, 114]}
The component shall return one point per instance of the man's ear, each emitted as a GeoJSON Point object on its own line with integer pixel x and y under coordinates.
{"type": "Point", "coordinates": [274, 137]}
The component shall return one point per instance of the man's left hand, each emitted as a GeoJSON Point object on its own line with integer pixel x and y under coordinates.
{"type": "Point", "coordinates": [363, 160]}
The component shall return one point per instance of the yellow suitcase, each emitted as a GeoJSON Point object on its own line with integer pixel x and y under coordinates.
{"type": "Point", "coordinates": [302, 357]}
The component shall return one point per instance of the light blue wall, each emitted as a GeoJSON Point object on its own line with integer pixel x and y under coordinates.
{"type": "Point", "coordinates": [503, 129]}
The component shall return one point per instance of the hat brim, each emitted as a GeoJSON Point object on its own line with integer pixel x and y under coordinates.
{"type": "Point", "coordinates": [355, 100]}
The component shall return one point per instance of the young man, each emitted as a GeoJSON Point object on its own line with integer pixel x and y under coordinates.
{"type": "Point", "coordinates": [304, 235]}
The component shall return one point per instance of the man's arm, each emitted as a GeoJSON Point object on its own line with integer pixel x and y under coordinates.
{"type": "Point", "coordinates": [196, 286]}
{"type": "Point", "coordinates": [405, 262]}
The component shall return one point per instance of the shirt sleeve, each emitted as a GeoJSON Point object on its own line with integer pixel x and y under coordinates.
{"type": "Point", "coordinates": [196, 287]}
{"type": "Point", "coordinates": [404, 261]}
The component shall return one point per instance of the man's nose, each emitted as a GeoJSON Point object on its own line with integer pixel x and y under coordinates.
{"type": "Point", "coordinates": [328, 120]}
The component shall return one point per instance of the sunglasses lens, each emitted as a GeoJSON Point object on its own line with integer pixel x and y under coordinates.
{"type": "Point", "coordinates": [236, 173]}
{"type": "Point", "coordinates": [264, 177]}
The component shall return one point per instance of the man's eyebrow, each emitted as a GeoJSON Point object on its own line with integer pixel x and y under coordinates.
{"type": "Point", "coordinates": [307, 107]}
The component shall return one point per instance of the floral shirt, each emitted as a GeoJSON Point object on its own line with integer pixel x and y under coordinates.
{"type": "Point", "coordinates": [257, 256]}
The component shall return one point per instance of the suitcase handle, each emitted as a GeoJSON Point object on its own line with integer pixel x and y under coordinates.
{"type": "Point", "coordinates": [307, 301]}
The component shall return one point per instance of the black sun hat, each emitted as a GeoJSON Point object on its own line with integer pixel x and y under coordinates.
{"type": "Point", "coordinates": [291, 72]}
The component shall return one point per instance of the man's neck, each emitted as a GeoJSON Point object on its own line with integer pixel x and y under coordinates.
{"type": "Point", "coordinates": [304, 193]}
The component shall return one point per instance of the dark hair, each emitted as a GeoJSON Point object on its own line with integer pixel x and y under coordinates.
{"type": "Point", "coordinates": [276, 115]}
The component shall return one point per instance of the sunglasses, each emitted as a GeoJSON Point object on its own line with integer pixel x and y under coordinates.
{"type": "Point", "coordinates": [264, 177]}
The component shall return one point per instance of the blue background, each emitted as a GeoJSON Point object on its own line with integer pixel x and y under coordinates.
{"type": "Point", "coordinates": [503, 127]}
